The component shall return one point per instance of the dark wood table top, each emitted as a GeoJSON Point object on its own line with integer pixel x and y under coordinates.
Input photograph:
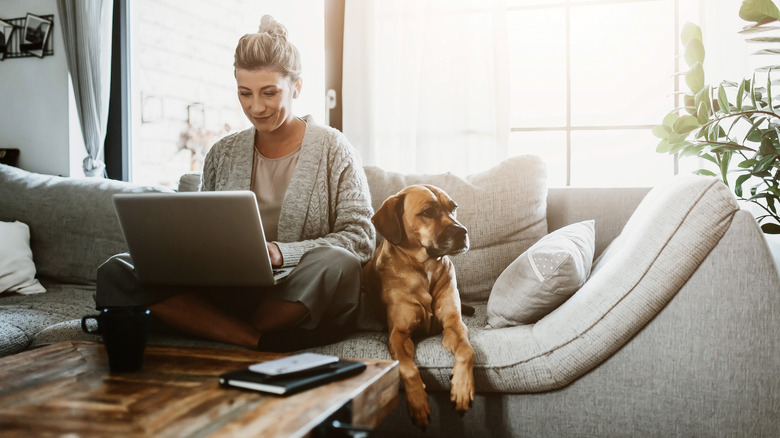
{"type": "Point", "coordinates": [67, 388]}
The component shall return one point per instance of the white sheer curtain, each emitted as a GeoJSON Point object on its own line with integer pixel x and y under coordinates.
{"type": "Point", "coordinates": [86, 27]}
{"type": "Point", "coordinates": [426, 83]}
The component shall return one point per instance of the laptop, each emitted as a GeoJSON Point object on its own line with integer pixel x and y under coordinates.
{"type": "Point", "coordinates": [197, 238]}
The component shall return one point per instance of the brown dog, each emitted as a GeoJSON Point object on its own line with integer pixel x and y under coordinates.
{"type": "Point", "coordinates": [416, 280]}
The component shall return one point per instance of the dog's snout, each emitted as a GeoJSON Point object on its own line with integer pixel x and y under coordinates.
{"type": "Point", "coordinates": [457, 231]}
{"type": "Point", "coordinates": [454, 239]}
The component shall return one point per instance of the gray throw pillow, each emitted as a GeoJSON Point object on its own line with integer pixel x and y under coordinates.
{"type": "Point", "coordinates": [543, 277]}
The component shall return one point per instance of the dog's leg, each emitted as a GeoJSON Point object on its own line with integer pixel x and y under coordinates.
{"type": "Point", "coordinates": [455, 338]}
{"type": "Point", "coordinates": [401, 349]}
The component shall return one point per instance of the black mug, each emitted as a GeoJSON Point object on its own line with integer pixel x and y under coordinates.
{"type": "Point", "coordinates": [124, 331]}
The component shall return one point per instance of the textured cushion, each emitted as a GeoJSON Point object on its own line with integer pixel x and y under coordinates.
{"type": "Point", "coordinates": [543, 277]}
{"type": "Point", "coordinates": [189, 182]}
{"type": "Point", "coordinates": [17, 270]}
{"type": "Point", "coordinates": [504, 209]}
{"type": "Point", "coordinates": [23, 318]}
{"type": "Point", "coordinates": [73, 227]}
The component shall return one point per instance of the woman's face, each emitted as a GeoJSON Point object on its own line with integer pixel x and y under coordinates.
{"type": "Point", "coordinates": [266, 97]}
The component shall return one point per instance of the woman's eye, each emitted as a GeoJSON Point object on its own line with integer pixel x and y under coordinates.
{"type": "Point", "coordinates": [269, 94]}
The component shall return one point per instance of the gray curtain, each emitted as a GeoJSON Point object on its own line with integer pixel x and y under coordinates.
{"type": "Point", "coordinates": [86, 27]}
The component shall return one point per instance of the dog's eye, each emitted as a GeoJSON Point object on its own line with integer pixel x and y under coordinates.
{"type": "Point", "coordinates": [429, 213]}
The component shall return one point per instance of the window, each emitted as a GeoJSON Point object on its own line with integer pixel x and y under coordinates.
{"type": "Point", "coordinates": [588, 81]}
{"type": "Point", "coordinates": [183, 93]}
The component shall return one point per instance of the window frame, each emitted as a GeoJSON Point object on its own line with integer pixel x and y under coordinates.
{"type": "Point", "coordinates": [568, 127]}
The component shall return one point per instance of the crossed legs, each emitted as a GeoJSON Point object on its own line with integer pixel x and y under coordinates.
{"type": "Point", "coordinates": [197, 317]}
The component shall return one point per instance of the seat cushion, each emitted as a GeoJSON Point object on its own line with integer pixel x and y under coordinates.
{"type": "Point", "coordinates": [504, 209]}
{"type": "Point", "coordinates": [24, 317]}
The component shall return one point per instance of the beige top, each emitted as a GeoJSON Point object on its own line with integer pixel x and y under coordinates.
{"type": "Point", "coordinates": [270, 179]}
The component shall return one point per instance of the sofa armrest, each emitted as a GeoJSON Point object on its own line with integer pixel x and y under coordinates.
{"type": "Point", "coordinates": [609, 207]}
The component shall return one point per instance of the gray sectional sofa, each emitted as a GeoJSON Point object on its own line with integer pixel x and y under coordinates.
{"type": "Point", "coordinates": [674, 333]}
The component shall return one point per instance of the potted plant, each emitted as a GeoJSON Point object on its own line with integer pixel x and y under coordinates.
{"type": "Point", "coordinates": [733, 126]}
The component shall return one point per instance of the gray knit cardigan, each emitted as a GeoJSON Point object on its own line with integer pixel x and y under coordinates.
{"type": "Point", "coordinates": [327, 202]}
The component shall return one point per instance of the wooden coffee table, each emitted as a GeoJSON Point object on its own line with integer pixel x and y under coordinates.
{"type": "Point", "coordinates": [66, 389]}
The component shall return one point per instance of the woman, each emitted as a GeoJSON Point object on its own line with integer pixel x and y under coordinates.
{"type": "Point", "coordinates": [316, 211]}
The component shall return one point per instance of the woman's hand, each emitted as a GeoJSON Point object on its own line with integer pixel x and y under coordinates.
{"type": "Point", "coordinates": [275, 253]}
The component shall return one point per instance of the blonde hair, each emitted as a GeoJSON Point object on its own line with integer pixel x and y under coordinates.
{"type": "Point", "coordinates": [268, 48]}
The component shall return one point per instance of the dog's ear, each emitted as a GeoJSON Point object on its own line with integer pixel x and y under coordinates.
{"type": "Point", "coordinates": [388, 219]}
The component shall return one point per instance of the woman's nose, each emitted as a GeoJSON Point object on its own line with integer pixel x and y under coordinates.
{"type": "Point", "coordinates": [258, 106]}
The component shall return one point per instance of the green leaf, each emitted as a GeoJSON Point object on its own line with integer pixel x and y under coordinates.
{"type": "Point", "coordinates": [685, 124]}
{"type": "Point", "coordinates": [660, 131]}
{"type": "Point", "coordinates": [738, 184]}
{"type": "Point", "coordinates": [689, 33]}
{"type": "Point", "coordinates": [753, 91]}
{"type": "Point", "coordinates": [740, 94]}
{"type": "Point", "coordinates": [767, 147]}
{"type": "Point", "coordinates": [755, 134]}
{"type": "Point", "coordinates": [689, 103]}
{"type": "Point", "coordinates": [764, 164]}
{"type": "Point", "coordinates": [679, 147]}
{"type": "Point", "coordinates": [663, 146]}
{"type": "Point", "coordinates": [724, 167]}
{"type": "Point", "coordinates": [747, 164]}
{"type": "Point", "coordinates": [731, 147]}
{"type": "Point", "coordinates": [701, 114]}
{"type": "Point", "coordinates": [770, 228]}
{"type": "Point", "coordinates": [704, 96]}
{"type": "Point", "coordinates": [695, 78]}
{"type": "Point", "coordinates": [692, 151]}
{"type": "Point", "coordinates": [758, 10]}
{"type": "Point", "coordinates": [704, 172]}
{"type": "Point", "coordinates": [756, 28]}
{"type": "Point", "coordinates": [766, 52]}
{"type": "Point", "coordinates": [710, 158]}
{"type": "Point", "coordinates": [723, 100]}
{"type": "Point", "coordinates": [769, 90]}
{"type": "Point", "coordinates": [763, 40]}
{"type": "Point", "coordinates": [669, 120]}
{"type": "Point", "coordinates": [694, 52]}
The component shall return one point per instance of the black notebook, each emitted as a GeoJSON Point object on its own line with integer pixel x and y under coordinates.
{"type": "Point", "coordinates": [289, 384]}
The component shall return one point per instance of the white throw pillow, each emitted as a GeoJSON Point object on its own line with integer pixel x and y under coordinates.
{"type": "Point", "coordinates": [17, 270]}
{"type": "Point", "coordinates": [543, 277]}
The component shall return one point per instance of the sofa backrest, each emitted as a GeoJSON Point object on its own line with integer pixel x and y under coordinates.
{"type": "Point", "coordinates": [610, 208]}
{"type": "Point", "coordinates": [73, 227]}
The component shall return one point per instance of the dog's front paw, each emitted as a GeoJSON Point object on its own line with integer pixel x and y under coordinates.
{"type": "Point", "coordinates": [462, 392]}
{"type": "Point", "coordinates": [418, 407]}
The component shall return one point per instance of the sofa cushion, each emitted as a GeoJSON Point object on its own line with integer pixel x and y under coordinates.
{"type": "Point", "coordinates": [543, 277]}
{"type": "Point", "coordinates": [504, 209]}
{"type": "Point", "coordinates": [17, 270]}
{"type": "Point", "coordinates": [24, 317]}
{"type": "Point", "coordinates": [73, 227]}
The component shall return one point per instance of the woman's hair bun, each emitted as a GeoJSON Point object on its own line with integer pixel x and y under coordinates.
{"type": "Point", "coordinates": [268, 24]}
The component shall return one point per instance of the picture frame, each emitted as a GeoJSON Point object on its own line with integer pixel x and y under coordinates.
{"type": "Point", "coordinates": [6, 33]}
{"type": "Point", "coordinates": [35, 35]}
